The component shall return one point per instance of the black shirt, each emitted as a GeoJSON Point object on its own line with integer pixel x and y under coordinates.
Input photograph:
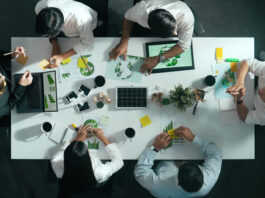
{"type": "Point", "coordinates": [8, 100]}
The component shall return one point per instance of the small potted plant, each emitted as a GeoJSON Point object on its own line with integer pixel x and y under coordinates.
{"type": "Point", "coordinates": [182, 98]}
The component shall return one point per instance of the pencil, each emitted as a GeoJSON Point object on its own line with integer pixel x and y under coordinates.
{"type": "Point", "coordinates": [195, 107]}
{"type": "Point", "coordinates": [86, 63]}
{"type": "Point", "coordinates": [9, 53]}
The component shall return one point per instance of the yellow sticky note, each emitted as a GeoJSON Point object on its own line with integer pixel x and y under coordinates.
{"type": "Point", "coordinates": [22, 59]}
{"type": "Point", "coordinates": [43, 63]}
{"type": "Point", "coordinates": [233, 66]}
{"type": "Point", "coordinates": [66, 61]}
{"type": "Point", "coordinates": [219, 55]}
{"type": "Point", "coordinates": [145, 121]}
{"type": "Point", "coordinates": [81, 64]}
{"type": "Point", "coordinates": [172, 134]}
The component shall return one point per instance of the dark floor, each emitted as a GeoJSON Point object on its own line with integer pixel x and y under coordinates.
{"type": "Point", "coordinates": [226, 18]}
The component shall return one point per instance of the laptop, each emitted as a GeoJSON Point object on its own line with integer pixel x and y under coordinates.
{"type": "Point", "coordinates": [41, 95]}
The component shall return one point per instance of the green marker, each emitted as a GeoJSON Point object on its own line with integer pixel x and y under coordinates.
{"type": "Point", "coordinates": [232, 60]}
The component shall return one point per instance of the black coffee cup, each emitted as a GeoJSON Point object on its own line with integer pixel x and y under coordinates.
{"type": "Point", "coordinates": [100, 104]}
{"type": "Point", "coordinates": [209, 80]}
{"type": "Point", "coordinates": [99, 81]}
{"type": "Point", "coordinates": [130, 132]}
{"type": "Point", "coordinates": [46, 127]}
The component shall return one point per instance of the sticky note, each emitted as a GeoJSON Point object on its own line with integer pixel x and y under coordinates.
{"type": "Point", "coordinates": [233, 66]}
{"type": "Point", "coordinates": [43, 63]}
{"type": "Point", "coordinates": [81, 64]}
{"type": "Point", "coordinates": [104, 120]}
{"type": "Point", "coordinates": [219, 55]}
{"type": "Point", "coordinates": [66, 61]}
{"type": "Point", "coordinates": [22, 59]}
{"type": "Point", "coordinates": [172, 134]}
{"type": "Point", "coordinates": [145, 121]}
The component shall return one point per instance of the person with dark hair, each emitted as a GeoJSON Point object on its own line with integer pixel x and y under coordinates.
{"type": "Point", "coordinates": [165, 18]}
{"type": "Point", "coordinates": [187, 179]}
{"type": "Point", "coordinates": [238, 90]}
{"type": "Point", "coordinates": [79, 168]}
{"type": "Point", "coordinates": [9, 99]}
{"type": "Point", "coordinates": [70, 17]}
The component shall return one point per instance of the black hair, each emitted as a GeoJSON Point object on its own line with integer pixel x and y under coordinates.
{"type": "Point", "coordinates": [162, 23]}
{"type": "Point", "coordinates": [78, 172]}
{"type": "Point", "coordinates": [190, 177]}
{"type": "Point", "coordinates": [49, 22]}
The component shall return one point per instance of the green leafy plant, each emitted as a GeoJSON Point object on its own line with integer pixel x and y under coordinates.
{"type": "Point", "coordinates": [182, 98]}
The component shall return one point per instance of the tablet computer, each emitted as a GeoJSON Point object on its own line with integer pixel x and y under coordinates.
{"type": "Point", "coordinates": [184, 61]}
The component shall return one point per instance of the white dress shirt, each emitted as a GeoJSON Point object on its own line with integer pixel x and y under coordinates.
{"type": "Point", "coordinates": [182, 13]}
{"type": "Point", "coordinates": [257, 116]}
{"type": "Point", "coordinates": [163, 181]}
{"type": "Point", "coordinates": [101, 171]}
{"type": "Point", "coordinates": [79, 21]}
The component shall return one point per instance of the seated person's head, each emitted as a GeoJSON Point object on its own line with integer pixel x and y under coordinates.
{"type": "Point", "coordinates": [162, 23]}
{"type": "Point", "coordinates": [2, 84]}
{"type": "Point", "coordinates": [49, 22]}
{"type": "Point", "coordinates": [261, 93]}
{"type": "Point", "coordinates": [78, 171]}
{"type": "Point", "coordinates": [190, 177]}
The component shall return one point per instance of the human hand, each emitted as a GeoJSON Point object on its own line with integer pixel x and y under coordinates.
{"type": "Point", "coordinates": [26, 79]}
{"type": "Point", "coordinates": [237, 89]}
{"type": "Point", "coordinates": [161, 141]}
{"type": "Point", "coordinates": [17, 51]}
{"type": "Point", "coordinates": [149, 64]}
{"type": "Point", "coordinates": [184, 133]}
{"type": "Point", "coordinates": [55, 61]}
{"type": "Point", "coordinates": [98, 133]}
{"type": "Point", "coordinates": [120, 49]}
{"type": "Point", "coordinates": [82, 132]}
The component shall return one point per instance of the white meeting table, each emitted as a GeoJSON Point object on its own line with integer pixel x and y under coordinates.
{"type": "Point", "coordinates": [236, 140]}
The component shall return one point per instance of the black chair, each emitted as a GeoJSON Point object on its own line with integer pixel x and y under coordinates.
{"type": "Point", "coordinates": [101, 7]}
{"type": "Point", "coordinates": [198, 27]}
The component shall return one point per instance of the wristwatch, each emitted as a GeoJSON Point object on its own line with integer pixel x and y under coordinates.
{"type": "Point", "coordinates": [153, 148]}
{"type": "Point", "coordinates": [161, 58]}
{"type": "Point", "coordinates": [239, 102]}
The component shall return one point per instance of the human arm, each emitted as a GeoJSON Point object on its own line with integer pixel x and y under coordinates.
{"type": "Point", "coordinates": [104, 171]}
{"type": "Point", "coordinates": [212, 154]}
{"type": "Point", "coordinates": [143, 171]}
{"type": "Point", "coordinates": [239, 85]}
{"type": "Point", "coordinates": [151, 62]}
{"type": "Point", "coordinates": [5, 59]}
{"type": "Point", "coordinates": [25, 80]}
{"type": "Point", "coordinates": [121, 48]}
{"type": "Point", "coordinates": [212, 161]}
{"type": "Point", "coordinates": [57, 160]}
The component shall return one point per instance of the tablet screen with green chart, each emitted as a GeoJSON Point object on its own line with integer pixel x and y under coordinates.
{"type": "Point", "coordinates": [180, 62]}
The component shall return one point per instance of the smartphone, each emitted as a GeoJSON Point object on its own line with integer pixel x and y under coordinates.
{"type": "Point", "coordinates": [71, 97]}
{"type": "Point", "coordinates": [84, 89]}
{"type": "Point", "coordinates": [83, 107]}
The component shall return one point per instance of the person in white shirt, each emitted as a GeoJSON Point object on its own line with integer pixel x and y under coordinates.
{"type": "Point", "coordinates": [168, 180]}
{"type": "Point", "coordinates": [80, 168]}
{"type": "Point", "coordinates": [238, 90]}
{"type": "Point", "coordinates": [72, 18]}
{"type": "Point", "coordinates": [165, 18]}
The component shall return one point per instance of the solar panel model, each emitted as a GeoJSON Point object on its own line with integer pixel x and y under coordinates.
{"type": "Point", "coordinates": [131, 97]}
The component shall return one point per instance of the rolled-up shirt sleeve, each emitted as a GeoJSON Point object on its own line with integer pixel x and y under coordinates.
{"type": "Point", "coordinates": [253, 117]}
{"type": "Point", "coordinates": [256, 67]}
{"type": "Point", "coordinates": [185, 33]}
{"type": "Point", "coordinates": [213, 161]}
{"type": "Point", "coordinates": [57, 161]}
{"type": "Point", "coordinates": [116, 163]}
{"type": "Point", "coordinates": [86, 37]}
{"type": "Point", "coordinates": [143, 171]}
